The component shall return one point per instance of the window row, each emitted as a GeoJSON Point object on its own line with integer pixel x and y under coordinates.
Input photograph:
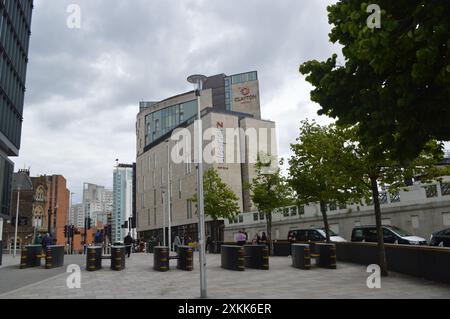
{"type": "Point", "coordinates": [11, 84]}
{"type": "Point", "coordinates": [163, 121]}
{"type": "Point", "coordinates": [10, 122]}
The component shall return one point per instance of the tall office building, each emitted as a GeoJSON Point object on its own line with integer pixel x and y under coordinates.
{"type": "Point", "coordinates": [122, 202]}
{"type": "Point", "coordinates": [97, 204]}
{"type": "Point", "coordinates": [77, 215]}
{"type": "Point", "coordinates": [15, 30]}
{"type": "Point", "coordinates": [231, 106]}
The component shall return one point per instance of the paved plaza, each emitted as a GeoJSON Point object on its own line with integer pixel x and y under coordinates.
{"type": "Point", "coordinates": [140, 281]}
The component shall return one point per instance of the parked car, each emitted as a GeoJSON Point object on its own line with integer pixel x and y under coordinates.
{"type": "Point", "coordinates": [441, 238]}
{"type": "Point", "coordinates": [392, 235]}
{"type": "Point", "coordinates": [314, 235]}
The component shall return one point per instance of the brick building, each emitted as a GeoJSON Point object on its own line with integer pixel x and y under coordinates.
{"type": "Point", "coordinates": [43, 208]}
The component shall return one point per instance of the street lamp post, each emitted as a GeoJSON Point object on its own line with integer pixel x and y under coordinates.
{"type": "Point", "coordinates": [198, 80]}
{"type": "Point", "coordinates": [169, 197]}
{"type": "Point", "coordinates": [163, 194]}
{"type": "Point", "coordinates": [17, 221]}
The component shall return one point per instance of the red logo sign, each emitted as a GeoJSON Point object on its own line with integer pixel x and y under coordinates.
{"type": "Point", "coordinates": [245, 91]}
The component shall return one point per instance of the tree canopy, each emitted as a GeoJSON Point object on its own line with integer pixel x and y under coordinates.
{"type": "Point", "coordinates": [395, 81]}
{"type": "Point", "coordinates": [219, 199]}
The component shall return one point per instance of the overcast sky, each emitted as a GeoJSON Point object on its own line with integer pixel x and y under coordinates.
{"type": "Point", "coordinates": [84, 85]}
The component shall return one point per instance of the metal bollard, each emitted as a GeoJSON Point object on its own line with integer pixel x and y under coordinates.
{"type": "Point", "coordinates": [94, 258]}
{"type": "Point", "coordinates": [185, 258]}
{"type": "Point", "coordinates": [301, 256]}
{"type": "Point", "coordinates": [256, 257]}
{"type": "Point", "coordinates": [233, 257]}
{"type": "Point", "coordinates": [327, 258]}
{"type": "Point", "coordinates": [118, 258]}
{"type": "Point", "coordinates": [161, 258]}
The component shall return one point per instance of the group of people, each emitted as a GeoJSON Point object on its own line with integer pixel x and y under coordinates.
{"type": "Point", "coordinates": [242, 238]}
{"type": "Point", "coordinates": [44, 241]}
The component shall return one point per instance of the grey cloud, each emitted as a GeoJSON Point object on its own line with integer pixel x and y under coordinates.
{"type": "Point", "coordinates": [83, 86]}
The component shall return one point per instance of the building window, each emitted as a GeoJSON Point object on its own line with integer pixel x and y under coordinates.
{"type": "Point", "coordinates": [262, 216]}
{"type": "Point", "coordinates": [333, 206]}
{"type": "Point", "coordinates": [446, 219]}
{"type": "Point", "coordinates": [415, 222]}
{"type": "Point", "coordinates": [395, 197]}
{"type": "Point", "coordinates": [255, 217]}
{"type": "Point", "coordinates": [445, 189]}
{"type": "Point", "coordinates": [189, 209]}
{"type": "Point", "coordinates": [293, 211]}
{"type": "Point", "coordinates": [286, 212]}
{"type": "Point", "coordinates": [301, 210]}
{"type": "Point", "coordinates": [241, 219]}
{"type": "Point", "coordinates": [431, 191]}
{"type": "Point", "coordinates": [154, 216]}
{"type": "Point", "coordinates": [179, 189]}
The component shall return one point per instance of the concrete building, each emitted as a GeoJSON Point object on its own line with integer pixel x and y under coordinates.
{"type": "Point", "coordinates": [97, 204]}
{"type": "Point", "coordinates": [15, 30]}
{"type": "Point", "coordinates": [121, 219]}
{"type": "Point", "coordinates": [421, 209]}
{"type": "Point", "coordinates": [231, 107]}
{"type": "Point", "coordinates": [77, 215]}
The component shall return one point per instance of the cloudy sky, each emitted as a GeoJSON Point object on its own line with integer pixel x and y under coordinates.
{"type": "Point", "coordinates": [84, 85]}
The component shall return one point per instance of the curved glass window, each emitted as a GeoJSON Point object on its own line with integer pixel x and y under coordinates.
{"type": "Point", "coordinates": [163, 121]}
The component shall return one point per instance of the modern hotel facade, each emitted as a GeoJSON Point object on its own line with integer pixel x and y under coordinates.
{"type": "Point", "coordinates": [15, 30]}
{"type": "Point", "coordinates": [231, 106]}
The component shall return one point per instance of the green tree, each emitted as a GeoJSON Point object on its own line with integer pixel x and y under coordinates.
{"type": "Point", "coordinates": [330, 164]}
{"type": "Point", "coordinates": [219, 200]}
{"type": "Point", "coordinates": [394, 81]}
{"type": "Point", "coordinates": [269, 190]}
{"type": "Point", "coordinates": [319, 168]}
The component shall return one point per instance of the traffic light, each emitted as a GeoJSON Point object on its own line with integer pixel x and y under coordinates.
{"type": "Point", "coordinates": [66, 231]}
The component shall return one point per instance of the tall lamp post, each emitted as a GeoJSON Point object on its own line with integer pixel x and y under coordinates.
{"type": "Point", "coordinates": [198, 81]}
{"type": "Point", "coordinates": [17, 221]}
{"type": "Point", "coordinates": [169, 195]}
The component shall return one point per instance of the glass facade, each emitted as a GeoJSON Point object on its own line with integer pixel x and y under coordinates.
{"type": "Point", "coordinates": [163, 121]}
{"type": "Point", "coordinates": [6, 170]}
{"type": "Point", "coordinates": [15, 22]}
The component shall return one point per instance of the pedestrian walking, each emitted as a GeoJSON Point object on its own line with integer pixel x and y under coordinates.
{"type": "Point", "coordinates": [176, 243]}
{"type": "Point", "coordinates": [128, 241]}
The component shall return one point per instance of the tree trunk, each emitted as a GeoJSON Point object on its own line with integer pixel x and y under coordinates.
{"type": "Point", "coordinates": [376, 204]}
{"type": "Point", "coordinates": [269, 232]}
{"type": "Point", "coordinates": [323, 210]}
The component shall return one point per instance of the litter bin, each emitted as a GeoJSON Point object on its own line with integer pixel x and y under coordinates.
{"type": "Point", "coordinates": [31, 256]}
{"type": "Point", "coordinates": [256, 256]}
{"type": "Point", "coordinates": [301, 256]}
{"type": "Point", "coordinates": [232, 257]}
{"type": "Point", "coordinates": [54, 257]}
{"type": "Point", "coordinates": [327, 258]}
{"type": "Point", "coordinates": [185, 258]}
{"type": "Point", "coordinates": [94, 258]}
{"type": "Point", "coordinates": [161, 258]}
{"type": "Point", "coordinates": [118, 258]}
